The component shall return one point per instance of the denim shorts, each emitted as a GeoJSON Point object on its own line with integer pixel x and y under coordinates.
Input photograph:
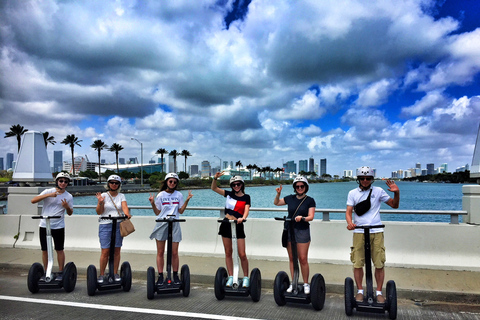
{"type": "Point", "coordinates": [301, 235]}
{"type": "Point", "coordinates": [105, 235]}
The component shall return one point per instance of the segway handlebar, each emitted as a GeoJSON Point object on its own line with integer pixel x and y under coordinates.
{"type": "Point", "coordinates": [221, 220]}
{"type": "Point", "coordinates": [113, 218]}
{"type": "Point", "coordinates": [170, 219]}
{"type": "Point", "coordinates": [283, 219]}
{"type": "Point", "coordinates": [46, 217]}
{"type": "Point", "coordinates": [370, 227]}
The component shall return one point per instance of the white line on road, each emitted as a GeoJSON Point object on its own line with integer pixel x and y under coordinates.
{"type": "Point", "coordinates": [124, 309]}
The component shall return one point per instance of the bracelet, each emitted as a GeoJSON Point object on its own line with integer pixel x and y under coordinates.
{"type": "Point", "coordinates": [303, 219]}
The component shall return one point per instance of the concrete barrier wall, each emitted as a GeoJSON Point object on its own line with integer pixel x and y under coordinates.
{"type": "Point", "coordinates": [411, 245]}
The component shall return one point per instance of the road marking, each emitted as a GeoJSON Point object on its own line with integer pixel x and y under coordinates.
{"type": "Point", "coordinates": [124, 309]}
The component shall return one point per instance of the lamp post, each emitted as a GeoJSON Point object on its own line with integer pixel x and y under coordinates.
{"type": "Point", "coordinates": [141, 161]}
{"type": "Point", "coordinates": [220, 162]}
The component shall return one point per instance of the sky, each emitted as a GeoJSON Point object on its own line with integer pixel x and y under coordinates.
{"type": "Point", "coordinates": [378, 83]}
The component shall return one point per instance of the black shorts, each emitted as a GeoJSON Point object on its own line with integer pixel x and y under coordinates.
{"type": "Point", "coordinates": [226, 230]}
{"type": "Point", "coordinates": [58, 236]}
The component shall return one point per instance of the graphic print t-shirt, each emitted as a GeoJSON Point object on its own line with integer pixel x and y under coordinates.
{"type": "Point", "coordinates": [235, 205]}
{"type": "Point", "coordinates": [169, 203]}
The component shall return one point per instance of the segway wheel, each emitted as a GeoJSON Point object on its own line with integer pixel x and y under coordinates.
{"type": "Point", "coordinates": [280, 286]}
{"type": "Point", "coordinates": [255, 284]}
{"type": "Point", "coordinates": [34, 275]}
{"type": "Point", "coordinates": [317, 292]}
{"type": "Point", "coordinates": [91, 280]}
{"type": "Point", "coordinates": [391, 302]}
{"type": "Point", "coordinates": [185, 274]}
{"type": "Point", "coordinates": [220, 281]}
{"type": "Point", "coordinates": [349, 297]}
{"type": "Point", "coordinates": [150, 283]}
{"type": "Point", "coordinates": [126, 275]}
{"type": "Point", "coordinates": [69, 277]}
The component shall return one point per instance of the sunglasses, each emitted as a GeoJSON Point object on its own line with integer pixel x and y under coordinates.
{"type": "Point", "coordinates": [172, 181]}
{"type": "Point", "coordinates": [62, 181]}
{"type": "Point", "coordinates": [114, 182]}
{"type": "Point", "coordinates": [236, 184]}
{"type": "Point", "coordinates": [300, 186]}
{"type": "Point", "coordinates": [365, 178]}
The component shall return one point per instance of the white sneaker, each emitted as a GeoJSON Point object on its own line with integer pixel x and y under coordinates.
{"type": "Point", "coordinates": [229, 281]}
{"type": "Point", "coordinates": [306, 288]}
{"type": "Point", "coordinates": [290, 288]}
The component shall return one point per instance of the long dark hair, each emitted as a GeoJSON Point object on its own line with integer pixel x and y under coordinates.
{"type": "Point", "coordinates": [165, 185]}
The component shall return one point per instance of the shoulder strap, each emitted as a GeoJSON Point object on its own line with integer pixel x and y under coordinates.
{"type": "Point", "coordinates": [119, 213]}
{"type": "Point", "coordinates": [294, 215]}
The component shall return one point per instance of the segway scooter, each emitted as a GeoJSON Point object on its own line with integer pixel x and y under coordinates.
{"type": "Point", "coordinates": [317, 285]}
{"type": "Point", "coordinates": [169, 286]}
{"type": "Point", "coordinates": [237, 289]}
{"type": "Point", "coordinates": [369, 304]}
{"type": "Point", "coordinates": [109, 282]}
{"type": "Point", "coordinates": [52, 280]}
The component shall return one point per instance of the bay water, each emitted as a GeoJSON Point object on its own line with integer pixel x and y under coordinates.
{"type": "Point", "coordinates": [413, 196]}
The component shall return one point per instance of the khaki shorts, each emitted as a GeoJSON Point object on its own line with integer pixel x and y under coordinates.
{"type": "Point", "coordinates": [357, 255]}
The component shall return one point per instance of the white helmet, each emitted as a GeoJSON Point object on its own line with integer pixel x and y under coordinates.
{"type": "Point", "coordinates": [171, 175]}
{"type": "Point", "coordinates": [300, 179]}
{"type": "Point", "coordinates": [114, 177]}
{"type": "Point", "coordinates": [365, 172]}
{"type": "Point", "coordinates": [236, 178]}
{"type": "Point", "coordinates": [62, 175]}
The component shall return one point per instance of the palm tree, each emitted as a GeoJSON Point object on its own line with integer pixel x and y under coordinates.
{"type": "Point", "coordinates": [72, 140]}
{"type": "Point", "coordinates": [267, 169]}
{"type": "Point", "coordinates": [48, 139]}
{"type": "Point", "coordinates": [250, 168]}
{"type": "Point", "coordinates": [238, 164]}
{"type": "Point", "coordinates": [278, 170]}
{"type": "Point", "coordinates": [174, 154]}
{"type": "Point", "coordinates": [186, 154]}
{"type": "Point", "coordinates": [161, 152]}
{"type": "Point", "coordinates": [99, 145]}
{"type": "Point", "coordinates": [16, 131]}
{"type": "Point", "coordinates": [116, 148]}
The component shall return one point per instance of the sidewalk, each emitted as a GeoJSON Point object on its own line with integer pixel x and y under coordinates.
{"type": "Point", "coordinates": [415, 284]}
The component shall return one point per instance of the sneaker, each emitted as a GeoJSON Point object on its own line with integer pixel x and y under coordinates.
{"type": "Point", "coordinates": [246, 282]}
{"type": "Point", "coordinates": [380, 299]}
{"type": "Point", "coordinates": [229, 281]}
{"type": "Point", "coordinates": [290, 288]}
{"type": "Point", "coordinates": [59, 276]}
{"type": "Point", "coordinates": [117, 278]}
{"type": "Point", "coordinates": [176, 280]}
{"type": "Point", "coordinates": [160, 279]}
{"type": "Point", "coordinates": [359, 297]}
{"type": "Point", "coordinates": [306, 288]}
{"type": "Point", "coordinates": [100, 279]}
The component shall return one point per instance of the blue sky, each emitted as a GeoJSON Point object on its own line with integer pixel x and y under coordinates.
{"type": "Point", "coordinates": [356, 82]}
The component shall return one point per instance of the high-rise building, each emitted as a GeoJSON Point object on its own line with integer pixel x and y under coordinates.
{"type": "Point", "coordinates": [311, 165]}
{"type": "Point", "coordinates": [193, 169]}
{"type": "Point", "coordinates": [121, 160]}
{"type": "Point", "coordinates": [225, 165]}
{"type": "Point", "coordinates": [290, 167]}
{"type": "Point", "coordinates": [57, 161]}
{"type": "Point", "coordinates": [1, 164]}
{"type": "Point", "coordinates": [172, 165]}
{"type": "Point", "coordinates": [302, 166]}
{"type": "Point", "coordinates": [430, 168]}
{"type": "Point", "coordinates": [205, 172]}
{"type": "Point", "coordinates": [317, 169]}
{"type": "Point", "coordinates": [9, 161]}
{"type": "Point", "coordinates": [347, 173]}
{"type": "Point", "coordinates": [132, 160]}
{"type": "Point", "coordinates": [418, 166]}
{"type": "Point", "coordinates": [323, 167]}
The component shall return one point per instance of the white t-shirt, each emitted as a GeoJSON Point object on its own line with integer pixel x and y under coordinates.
{"type": "Point", "coordinates": [52, 206]}
{"type": "Point", "coordinates": [372, 216]}
{"type": "Point", "coordinates": [109, 208]}
{"type": "Point", "coordinates": [169, 203]}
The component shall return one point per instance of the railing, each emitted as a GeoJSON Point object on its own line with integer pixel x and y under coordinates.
{"type": "Point", "coordinates": [454, 214]}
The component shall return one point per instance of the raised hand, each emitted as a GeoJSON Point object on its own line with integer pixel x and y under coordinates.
{"type": "Point", "coordinates": [392, 187]}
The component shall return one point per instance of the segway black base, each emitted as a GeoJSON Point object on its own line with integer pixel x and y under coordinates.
{"type": "Point", "coordinates": [239, 292]}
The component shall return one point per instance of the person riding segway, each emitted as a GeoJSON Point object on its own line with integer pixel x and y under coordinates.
{"type": "Point", "coordinates": [56, 201]}
{"type": "Point", "coordinates": [363, 211]}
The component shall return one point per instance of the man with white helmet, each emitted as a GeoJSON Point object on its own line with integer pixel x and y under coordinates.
{"type": "Point", "coordinates": [55, 202]}
{"type": "Point", "coordinates": [363, 209]}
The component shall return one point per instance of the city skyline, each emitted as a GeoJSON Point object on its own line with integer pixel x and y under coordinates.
{"type": "Point", "coordinates": [355, 82]}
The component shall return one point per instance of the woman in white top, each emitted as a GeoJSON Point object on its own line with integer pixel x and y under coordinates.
{"type": "Point", "coordinates": [168, 202]}
{"type": "Point", "coordinates": [108, 203]}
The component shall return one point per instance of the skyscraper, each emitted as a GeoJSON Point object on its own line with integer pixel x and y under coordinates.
{"type": "Point", "coordinates": [311, 165]}
{"type": "Point", "coordinates": [9, 161]}
{"type": "Point", "coordinates": [205, 172]}
{"type": "Point", "coordinates": [290, 167]}
{"type": "Point", "coordinates": [430, 168]}
{"type": "Point", "coordinates": [1, 164]}
{"type": "Point", "coordinates": [302, 166]}
{"type": "Point", "coordinates": [57, 161]}
{"type": "Point", "coordinates": [323, 167]}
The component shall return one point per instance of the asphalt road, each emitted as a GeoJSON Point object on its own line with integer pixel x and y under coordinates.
{"type": "Point", "coordinates": [16, 302]}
